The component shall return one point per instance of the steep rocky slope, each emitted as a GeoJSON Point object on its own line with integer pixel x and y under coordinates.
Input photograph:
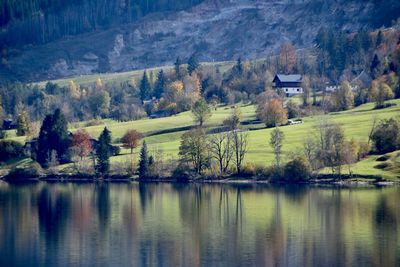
{"type": "Point", "coordinates": [215, 30]}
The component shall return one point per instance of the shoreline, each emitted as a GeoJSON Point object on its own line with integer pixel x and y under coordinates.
{"type": "Point", "coordinates": [319, 180]}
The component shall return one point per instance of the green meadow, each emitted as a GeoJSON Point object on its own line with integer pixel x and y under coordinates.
{"type": "Point", "coordinates": [356, 123]}
{"type": "Point", "coordinates": [163, 134]}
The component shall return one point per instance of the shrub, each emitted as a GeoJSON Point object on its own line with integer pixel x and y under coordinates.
{"type": "Point", "coordinates": [276, 174]}
{"type": "Point", "coordinates": [386, 135]}
{"type": "Point", "coordinates": [249, 169]}
{"type": "Point", "coordinates": [292, 109]}
{"type": "Point", "coordinates": [33, 170]}
{"type": "Point", "coordinates": [364, 149]}
{"type": "Point", "coordinates": [10, 150]}
{"type": "Point", "coordinates": [383, 158]}
{"type": "Point", "coordinates": [263, 173]}
{"type": "Point", "coordinates": [383, 165]}
{"type": "Point", "coordinates": [297, 170]}
{"type": "Point", "coordinates": [181, 173]}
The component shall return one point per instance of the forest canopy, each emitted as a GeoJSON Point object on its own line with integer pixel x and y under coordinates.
{"type": "Point", "coordinates": [42, 21]}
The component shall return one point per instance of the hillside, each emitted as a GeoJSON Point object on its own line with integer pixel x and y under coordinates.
{"type": "Point", "coordinates": [215, 30]}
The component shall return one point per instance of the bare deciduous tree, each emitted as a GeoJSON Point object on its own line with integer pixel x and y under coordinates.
{"type": "Point", "coordinates": [240, 145]}
{"type": "Point", "coordinates": [221, 150]}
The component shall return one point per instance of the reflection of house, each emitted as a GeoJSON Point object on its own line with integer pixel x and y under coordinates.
{"type": "Point", "coordinates": [289, 84]}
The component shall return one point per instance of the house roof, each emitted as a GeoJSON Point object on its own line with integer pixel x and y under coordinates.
{"type": "Point", "coordinates": [288, 78]}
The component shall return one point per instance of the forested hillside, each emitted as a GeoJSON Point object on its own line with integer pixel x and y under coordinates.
{"type": "Point", "coordinates": [43, 39]}
{"type": "Point", "coordinates": [41, 21]}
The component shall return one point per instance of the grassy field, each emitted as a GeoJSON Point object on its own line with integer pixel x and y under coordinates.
{"type": "Point", "coordinates": [164, 133]}
{"type": "Point", "coordinates": [356, 123]}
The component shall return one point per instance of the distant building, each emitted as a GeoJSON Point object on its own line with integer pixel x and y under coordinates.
{"type": "Point", "coordinates": [331, 88]}
{"type": "Point", "coordinates": [160, 114]}
{"type": "Point", "coordinates": [153, 100]}
{"type": "Point", "coordinates": [289, 84]}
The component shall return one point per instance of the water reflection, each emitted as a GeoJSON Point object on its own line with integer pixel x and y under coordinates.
{"type": "Point", "coordinates": [197, 225]}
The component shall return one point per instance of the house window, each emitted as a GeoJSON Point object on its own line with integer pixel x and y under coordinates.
{"type": "Point", "coordinates": [298, 89]}
{"type": "Point", "coordinates": [286, 89]}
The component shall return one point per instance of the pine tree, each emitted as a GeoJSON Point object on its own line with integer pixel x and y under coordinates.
{"type": "Point", "coordinates": [177, 67]}
{"type": "Point", "coordinates": [103, 153]}
{"type": "Point", "coordinates": [23, 124]}
{"type": "Point", "coordinates": [160, 84]}
{"type": "Point", "coordinates": [144, 162]}
{"type": "Point", "coordinates": [60, 135]}
{"type": "Point", "coordinates": [145, 88]}
{"type": "Point", "coordinates": [374, 64]}
{"type": "Point", "coordinates": [379, 38]}
{"type": "Point", "coordinates": [193, 64]}
{"type": "Point", "coordinates": [239, 66]}
{"type": "Point", "coordinates": [43, 150]}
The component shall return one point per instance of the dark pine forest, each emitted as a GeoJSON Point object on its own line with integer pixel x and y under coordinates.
{"type": "Point", "coordinates": [42, 21]}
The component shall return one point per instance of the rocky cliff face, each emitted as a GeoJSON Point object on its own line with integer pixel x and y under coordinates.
{"type": "Point", "coordinates": [215, 30]}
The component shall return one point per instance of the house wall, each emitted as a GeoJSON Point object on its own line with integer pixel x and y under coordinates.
{"type": "Point", "coordinates": [292, 90]}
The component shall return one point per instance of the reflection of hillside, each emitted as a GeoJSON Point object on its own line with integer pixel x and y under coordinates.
{"type": "Point", "coordinates": [197, 225]}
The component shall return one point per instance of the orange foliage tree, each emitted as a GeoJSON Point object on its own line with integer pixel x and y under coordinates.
{"type": "Point", "coordinates": [272, 112]}
{"type": "Point", "coordinates": [81, 143]}
{"type": "Point", "coordinates": [131, 139]}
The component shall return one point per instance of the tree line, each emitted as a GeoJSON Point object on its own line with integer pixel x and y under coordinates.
{"type": "Point", "coordinates": [42, 21]}
{"type": "Point", "coordinates": [171, 91]}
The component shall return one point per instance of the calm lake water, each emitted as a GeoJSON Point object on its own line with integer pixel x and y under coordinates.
{"type": "Point", "coordinates": [44, 224]}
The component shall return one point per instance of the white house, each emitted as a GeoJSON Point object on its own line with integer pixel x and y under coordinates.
{"type": "Point", "coordinates": [289, 84]}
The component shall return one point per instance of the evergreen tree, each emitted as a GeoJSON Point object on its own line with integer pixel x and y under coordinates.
{"type": "Point", "coordinates": [177, 67]}
{"type": "Point", "coordinates": [144, 161]}
{"type": "Point", "coordinates": [145, 88]}
{"type": "Point", "coordinates": [374, 64]}
{"type": "Point", "coordinates": [103, 153]}
{"type": "Point", "coordinates": [43, 150]}
{"type": "Point", "coordinates": [379, 38]}
{"type": "Point", "coordinates": [239, 67]}
{"type": "Point", "coordinates": [60, 134]}
{"type": "Point", "coordinates": [193, 64]}
{"type": "Point", "coordinates": [160, 84]}
{"type": "Point", "coordinates": [23, 124]}
{"type": "Point", "coordinates": [53, 136]}
{"type": "Point", "coordinates": [365, 40]}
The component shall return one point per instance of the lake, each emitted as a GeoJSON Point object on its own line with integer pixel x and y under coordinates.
{"type": "Point", "coordinates": [78, 224]}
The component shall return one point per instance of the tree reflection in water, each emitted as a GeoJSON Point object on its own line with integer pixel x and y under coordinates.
{"type": "Point", "coordinates": [104, 224]}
